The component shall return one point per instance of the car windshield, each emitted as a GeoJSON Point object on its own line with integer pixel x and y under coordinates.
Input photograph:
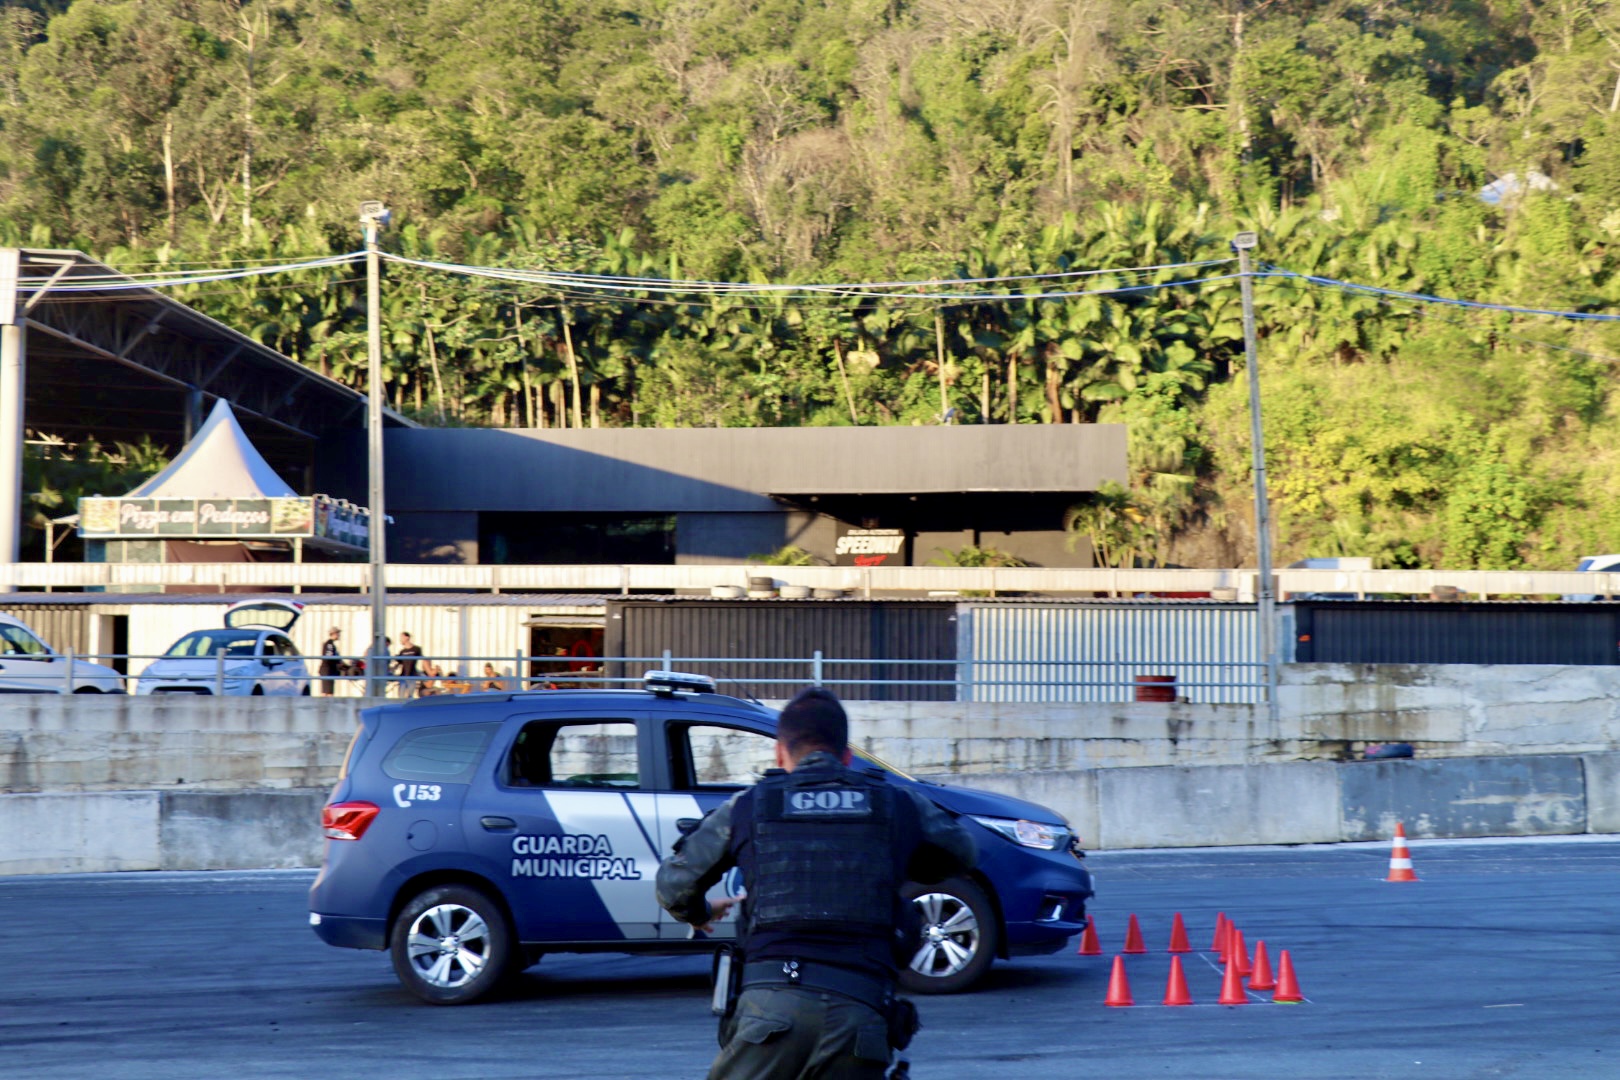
{"type": "Point", "coordinates": [209, 642]}
{"type": "Point", "coordinates": [15, 641]}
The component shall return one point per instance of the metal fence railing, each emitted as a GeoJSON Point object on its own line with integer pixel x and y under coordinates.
{"type": "Point", "coordinates": [1054, 680]}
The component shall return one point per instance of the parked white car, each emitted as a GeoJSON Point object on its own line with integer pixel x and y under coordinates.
{"type": "Point", "coordinates": [259, 657]}
{"type": "Point", "coordinates": [1594, 564]}
{"type": "Point", "coordinates": [29, 666]}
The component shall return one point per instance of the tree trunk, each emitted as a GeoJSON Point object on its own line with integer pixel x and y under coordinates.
{"type": "Point", "coordinates": [1012, 389]}
{"type": "Point", "coordinates": [524, 411]}
{"type": "Point", "coordinates": [984, 396]}
{"type": "Point", "coordinates": [1053, 405]}
{"type": "Point", "coordinates": [247, 154]}
{"type": "Point", "coordinates": [438, 383]}
{"type": "Point", "coordinates": [1239, 109]}
{"type": "Point", "coordinates": [596, 405]}
{"type": "Point", "coordinates": [168, 173]}
{"type": "Point", "coordinates": [939, 346]}
{"type": "Point", "coordinates": [843, 375]}
{"type": "Point", "coordinates": [573, 367]}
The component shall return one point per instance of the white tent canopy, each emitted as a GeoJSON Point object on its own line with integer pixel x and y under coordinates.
{"type": "Point", "coordinates": [219, 463]}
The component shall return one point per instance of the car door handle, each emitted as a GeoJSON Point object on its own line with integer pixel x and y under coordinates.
{"type": "Point", "coordinates": [497, 824]}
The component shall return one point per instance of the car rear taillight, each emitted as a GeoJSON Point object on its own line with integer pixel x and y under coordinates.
{"type": "Point", "coordinates": [347, 820]}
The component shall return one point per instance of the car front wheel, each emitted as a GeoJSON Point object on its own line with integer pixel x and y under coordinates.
{"type": "Point", "coordinates": [959, 937]}
{"type": "Point", "coordinates": [451, 945]}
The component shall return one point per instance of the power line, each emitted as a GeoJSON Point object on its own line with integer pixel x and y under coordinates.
{"type": "Point", "coordinates": [1425, 298]}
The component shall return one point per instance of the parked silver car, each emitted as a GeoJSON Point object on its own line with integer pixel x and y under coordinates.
{"type": "Point", "coordinates": [251, 655]}
{"type": "Point", "coordinates": [29, 666]}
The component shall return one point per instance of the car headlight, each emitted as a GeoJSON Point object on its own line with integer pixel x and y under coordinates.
{"type": "Point", "coordinates": [1035, 834]}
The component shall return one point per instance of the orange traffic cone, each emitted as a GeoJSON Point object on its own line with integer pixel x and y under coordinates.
{"type": "Point", "coordinates": [1232, 987]}
{"type": "Point", "coordinates": [1089, 945]}
{"type": "Point", "coordinates": [1175, 991]}
{"type": "Point", "coordinates": [1119, 987]}
{"type": "Point", "coordinates": [1261, 978]}
{"type": "Point", "coordinates": [1219, 944]}
{"type": "Point", "coordinates": [1400, 859]}
{"type": "Point", "coordinates": [1287, 986]}
{"type": "Point", "coordinates": [1133, 938]}
{"type": "Point", "coordinates": [1178, 936]}
{"type": "Point", "coordinates": [1237, 951]}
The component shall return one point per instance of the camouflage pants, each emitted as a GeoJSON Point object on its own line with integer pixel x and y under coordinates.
{"type": "Point", "coordinates": [786, 1033]}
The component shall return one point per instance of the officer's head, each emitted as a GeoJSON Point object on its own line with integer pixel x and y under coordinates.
{"type": "Point", "coordinates": [813, 720]}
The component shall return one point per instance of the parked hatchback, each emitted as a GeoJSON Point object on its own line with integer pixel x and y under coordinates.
{"type": "Point", "coordinates": [29, 666]}
{"type": "Point", "coordinates": [250, 655]}
{"type": "Point", "coordinates": [471, 835]}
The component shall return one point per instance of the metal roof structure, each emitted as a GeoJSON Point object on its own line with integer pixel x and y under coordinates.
{"type": "Point", "coordinates": [117, 363]}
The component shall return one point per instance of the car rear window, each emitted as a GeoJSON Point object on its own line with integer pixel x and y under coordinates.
{"type": "Point", "coordinates": [446, 754]}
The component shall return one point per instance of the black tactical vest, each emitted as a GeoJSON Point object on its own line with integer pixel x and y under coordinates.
{"type": "Point", "coordinates": [824, 855]}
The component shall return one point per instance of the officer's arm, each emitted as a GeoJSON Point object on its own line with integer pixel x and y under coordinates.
{"type": "Point", "coordinates": [952, 847]}
{"type": "Point", "coordinates": [700, 859]}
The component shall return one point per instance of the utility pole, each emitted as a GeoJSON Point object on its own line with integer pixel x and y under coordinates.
{"type": "Point", "coordinates": [13, 364]}
{"type": "Point", "coordinates": [1243, 243]}
{"type": "Point", "coordinates": [373, 216]}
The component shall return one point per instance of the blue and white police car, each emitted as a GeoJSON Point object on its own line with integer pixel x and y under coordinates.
{"type": "Point", "coordinates": [470, 835]}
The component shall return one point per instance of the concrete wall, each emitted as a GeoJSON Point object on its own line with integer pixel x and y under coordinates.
{"type": "Point", "coordinates": [1328, 712]}
{"type": "Point", "coordinates": [159, 830]}
{"type": "Point", "coordinates": [1319, 802]}
{"type": "Point", "coordinates": [148, 783]}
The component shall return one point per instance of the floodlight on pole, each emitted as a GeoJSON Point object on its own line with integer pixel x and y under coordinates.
{"type": "Point", "coordinates": [373, 217]}
{"type": "Point", "coordinates": [1266, 603]}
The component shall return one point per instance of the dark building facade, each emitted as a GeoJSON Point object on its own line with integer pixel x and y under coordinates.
{"type": "Point", "coordinates": [653, 495]}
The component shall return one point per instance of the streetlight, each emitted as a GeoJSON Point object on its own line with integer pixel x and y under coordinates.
{"type": "Point", "coordinates": [373, 217]}
{"type": "Point", "coordinates": [1243, 243]}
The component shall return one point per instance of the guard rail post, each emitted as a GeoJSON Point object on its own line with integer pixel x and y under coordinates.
{"type": "Point", "coordinates": [815, 669]}
{"type": "Point", "coordinates": [669, 660]}
{"type": "Point", "coordinates": [219, 672]}
{"type": "Point", "coordinates": [67, 674]}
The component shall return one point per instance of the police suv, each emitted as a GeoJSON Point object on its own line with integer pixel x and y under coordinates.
{"type": "Point", "coordinates": [470, 835]}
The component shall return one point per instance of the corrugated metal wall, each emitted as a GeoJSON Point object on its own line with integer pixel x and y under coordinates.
{"type": "Point", "coordinates": [440, 629]}
{"type": "Point", "coordinates": [793, 629]}
{"type": "Point", "coordinates": [1092, 652]}
{"type": "Point", "coordinates": [478, 630]}
{"type": "Point", "coordinates": [1372, 632]}
{"type": "Point", "coordinates": [60, 626]}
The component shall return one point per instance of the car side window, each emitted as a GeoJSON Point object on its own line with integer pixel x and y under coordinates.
{"type": "Point", "coordinates": [14, 640]}
{"type": "Point", "coordinates": [285, 647]}
{"type": "Point", "coordinates": [717, 756]}
{"type": "Point", "coordinates": [446, 754]}
{"type": "Point", "coordinates": [575, 754]}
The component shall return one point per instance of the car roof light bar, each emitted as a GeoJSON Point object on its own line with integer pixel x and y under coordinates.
{"type": "Point", "coordinates": [669, 683]}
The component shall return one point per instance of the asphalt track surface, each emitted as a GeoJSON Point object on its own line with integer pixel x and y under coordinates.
{"type": "Point", "coordinates": [1503, 961]}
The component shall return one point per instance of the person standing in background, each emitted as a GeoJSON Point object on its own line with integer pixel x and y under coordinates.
{"type": "Point", "coordinates": [405, 664]}
{"type": "Point", "coordinates": [330, 664]}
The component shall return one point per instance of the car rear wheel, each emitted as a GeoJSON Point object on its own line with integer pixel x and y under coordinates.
{"type": "Point", "coordinates": [258, 691]}
{"type": "Point", "coordinates": [451, 945]}
{"type": "Point", "coordinates": [960, 935]}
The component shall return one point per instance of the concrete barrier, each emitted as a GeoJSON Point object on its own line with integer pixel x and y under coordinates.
{"type": "Point", "coordinates": [204, 783]}
{"type": "Point", "coordinates": [1284, 803]}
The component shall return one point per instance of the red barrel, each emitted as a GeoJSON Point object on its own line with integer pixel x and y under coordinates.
{"type": "Point", "coordinates": [1155, 688]}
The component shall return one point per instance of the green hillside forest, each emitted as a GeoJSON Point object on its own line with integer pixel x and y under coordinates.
{"type": "Point", "coordinates": [1462, 149]}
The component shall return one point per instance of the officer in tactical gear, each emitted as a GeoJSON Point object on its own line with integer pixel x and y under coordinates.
{"type": "Point", "coordinates": [824, 849]}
